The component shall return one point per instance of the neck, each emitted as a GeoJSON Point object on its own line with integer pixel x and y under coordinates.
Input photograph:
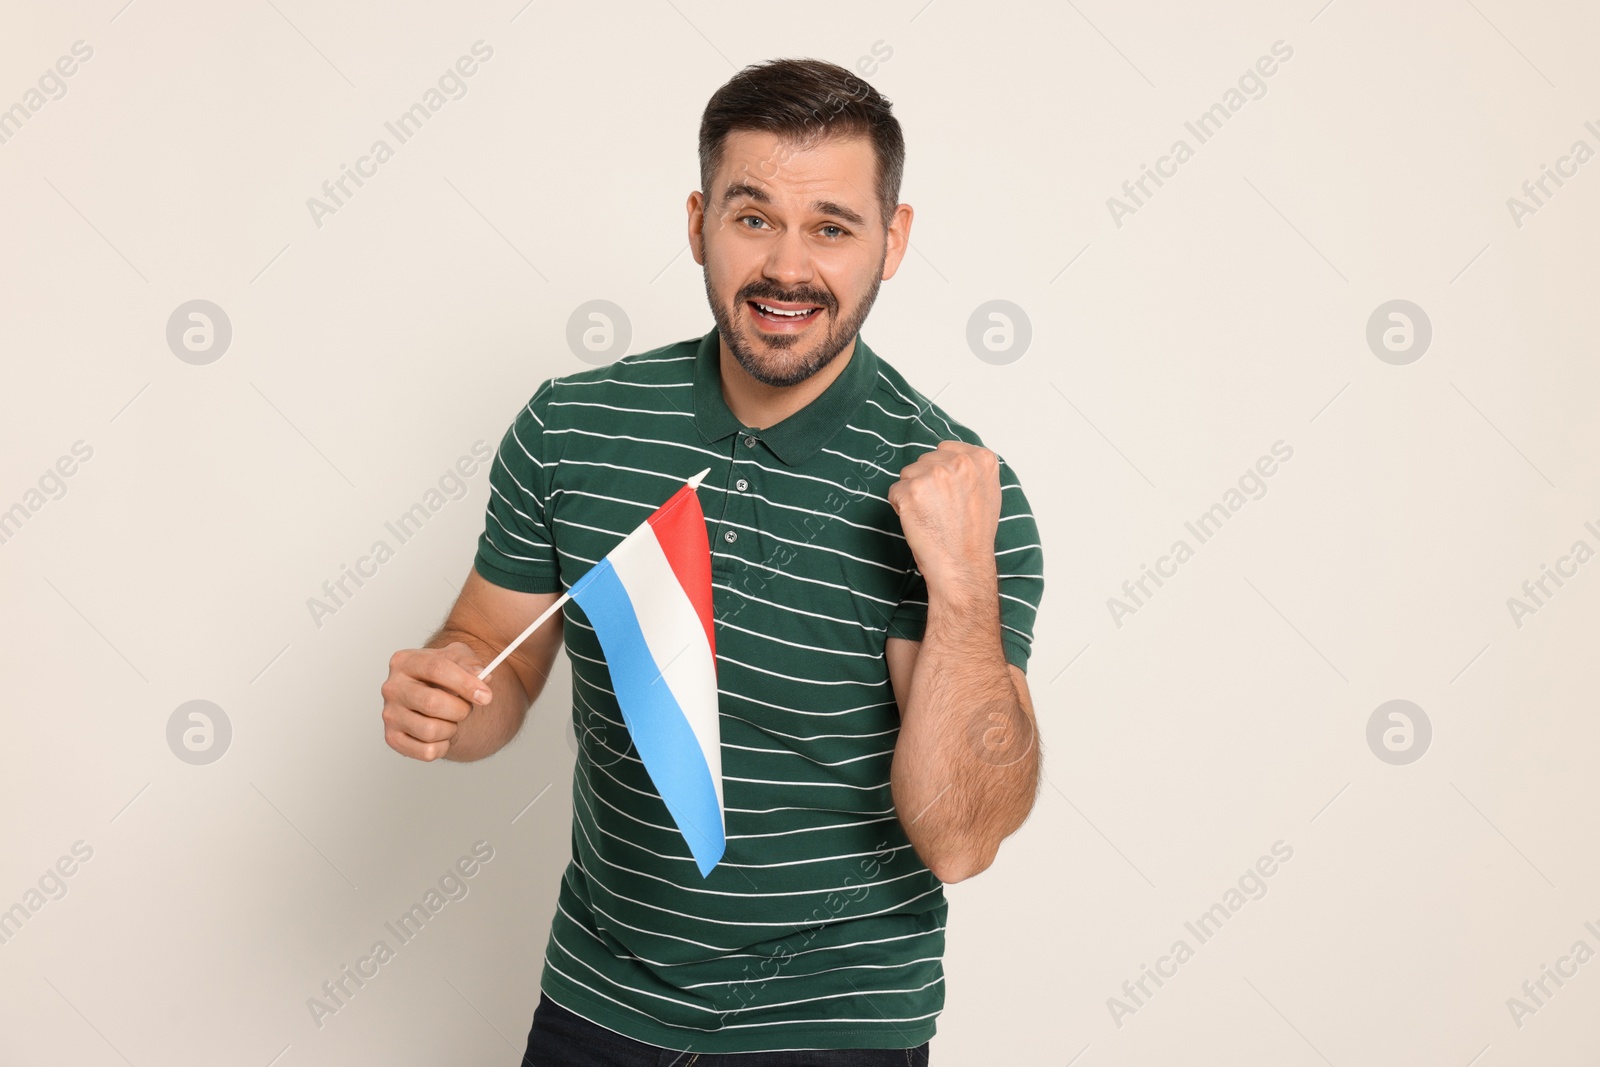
{"type": "Point", "coordinates": [759, 405]}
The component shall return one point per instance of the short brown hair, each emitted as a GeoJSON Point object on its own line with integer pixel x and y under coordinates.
{"type": "Point", "coordinates": [808, 101]}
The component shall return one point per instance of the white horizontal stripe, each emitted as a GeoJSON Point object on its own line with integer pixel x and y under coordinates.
{"type": "Point", "coordinates": [594, 879]}
{"type": "Point", "coordinates": [798, 611]}
{"type": "Point", "coordinates": [922, 404]}
{"type": "Point", "coordinates": [826, 970]}
{"type": "Point", "coordinates": [833, 810]}
{"type": "Point", "coordinates": [731, 837]}
{"type": "Point", "coordinates": [595, 822]}
{"type": "Point", "coordinates": [619, 381]}
{"type": "Point", "coordinates": [808, 511]}
{"type": "Point", "coordinates": [536, 523]}
{"type": "Point", "coordinates": [562, 491]}
{"type": "Point", "coordinates": [639, 358]}
{"type": "Point", "coordinates": [518, 537]}
{"type": "Point", "coordinates": [731, 1026]}
{"type": "Point", "coordinates": [864, 462]}
{"type": "Point", "coordinates": [675, 480]}
{"type": "Point", "coordinates": [893, 415]}
{"type": "Point", "coordinates": [764, 728]}
{"type": "Point", "coordinates": [740, 461]}
{"type": "Point", "coordinates": [594, 529]}
{"type": "Point", "coordinates": [664, 966]}
{"type": "Point", "coordinates": [614, 982]}
{"type": "Point", "coordinates": [797, 644]}
{"type": "Point", "coordinates": [588, 781]}
{"type": "Point", "coordinates": [891, 444]}
{"type": "Point", "coordinates": [598, 910]}
{"type": "Point", "coordinates": [673, 830]}
{"type": "Point", "coordinates": [613, 407]}
{"type": "Point", "coordinates": [618, 985]}
{"type": "Point", "coordinates": [791, 678]}
{"type": "Point", "coordinates": [512, 475]}
{"type": "Point", "coordinates": [854, 991]}
{"type": "Point", "coordinates": [808, 829]}
{"type": "Point", "coordinates": [528, 407]}
{"type": "Point", "coordinates": [809, 759]}
{"type": "Point", "coordinates": [671, 479]}
{"type": "Point", "coordinates": [808, 785]}
{"type": "Point", "coordinates": [818, 859]}
{"type": "Point", "coordinates": [836, 948]}
{"type": "Point", "coordinates": [802, 711]}
{"type": "Point", "coordinates": [518, 439]}
{"type": "Point", "coordinates": [640, 440]}
{"type": "Point", "coordinates": [580, 559]}
{"type": "Point", "coordinates": [761, 727]}
{"type": "Point", "coordinates": [808, 544]}
{"type": "Point", "coordinates": [802, 578]}
{"type": "Point", "coordinates": [740, 894]}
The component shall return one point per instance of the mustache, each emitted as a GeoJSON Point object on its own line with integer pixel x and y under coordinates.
{"type": "Point", "coordinates": [802, 296]}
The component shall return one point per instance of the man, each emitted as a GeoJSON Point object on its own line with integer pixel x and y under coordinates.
{"type": "Point", "coordinates": [875, 577]}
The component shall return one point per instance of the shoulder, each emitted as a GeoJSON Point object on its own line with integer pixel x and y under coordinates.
{"type": "Point", "coordinates": [914, 417]}
{"type": "Point", "coordinates": [900, 411]}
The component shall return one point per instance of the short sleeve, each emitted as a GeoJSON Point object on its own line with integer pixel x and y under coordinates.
{"type": "Point", "coordinates": [1019, 562]}
{"type": "Point", "coordinates": [517, 549]}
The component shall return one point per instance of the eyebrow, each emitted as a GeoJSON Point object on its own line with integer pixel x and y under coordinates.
{"type": "Point", "coordinates": [825, 207]}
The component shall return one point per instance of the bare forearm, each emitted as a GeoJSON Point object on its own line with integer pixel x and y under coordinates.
{"type": "Point", "coordinates": [489, 727]}
{"type": "Point", "coordinates": [965, 771]}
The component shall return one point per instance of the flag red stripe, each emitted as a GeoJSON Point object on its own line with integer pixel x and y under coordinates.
{"type": "Point", "coordinates": [680, 527]}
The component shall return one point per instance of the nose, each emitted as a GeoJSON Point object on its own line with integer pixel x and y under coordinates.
{"type": "Point", "coordinates": [789, 260]}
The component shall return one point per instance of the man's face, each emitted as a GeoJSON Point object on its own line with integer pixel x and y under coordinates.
{"type": "Point", "coordinates": [793, 250]}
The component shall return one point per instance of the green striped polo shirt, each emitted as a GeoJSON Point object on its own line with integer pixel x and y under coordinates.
{"type": "Point", "coordinates": [820, 928]}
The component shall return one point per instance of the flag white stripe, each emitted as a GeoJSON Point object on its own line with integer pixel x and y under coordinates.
{"type": "Point", "coordinates": [675, 637]}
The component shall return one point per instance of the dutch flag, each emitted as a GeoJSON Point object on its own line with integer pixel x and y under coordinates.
{"type": "Point", "coordinates": [649, 601]}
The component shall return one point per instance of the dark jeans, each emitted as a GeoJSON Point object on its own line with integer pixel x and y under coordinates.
{"type": "Point", "coordinates": [560, 1038]}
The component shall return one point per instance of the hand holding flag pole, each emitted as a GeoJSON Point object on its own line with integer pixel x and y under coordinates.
{"type": "Point", "coordinates": [649, 600]}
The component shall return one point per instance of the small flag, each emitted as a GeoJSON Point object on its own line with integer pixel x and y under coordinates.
{"type": "Point", "coordinates": [649, 601]}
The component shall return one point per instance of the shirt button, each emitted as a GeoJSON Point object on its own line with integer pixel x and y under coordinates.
{"type": "Point", "coordinates": [730, 536]}
{"type": "Point", "coordinates": [742, 485]}
{"type": "Point", "coordinates": [749, 442]}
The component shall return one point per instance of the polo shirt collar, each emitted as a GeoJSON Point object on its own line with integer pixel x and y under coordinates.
{"type": "Point", "coordinates": [798, 437]}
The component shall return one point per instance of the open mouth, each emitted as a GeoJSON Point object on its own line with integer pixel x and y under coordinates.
{"type": "Point", "coordinates": [781, 317]}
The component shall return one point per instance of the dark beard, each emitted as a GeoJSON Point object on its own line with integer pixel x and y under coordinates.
{"type": "Point", "coordinates": [838, 336]}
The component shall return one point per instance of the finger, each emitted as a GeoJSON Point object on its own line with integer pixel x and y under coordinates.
{"type": "Point", "coordinates": [424, 729]}
{"type": "Point", "coordinates": [449, 674]}
{"type": "Point", "coordinates": [414, 695]}
{"type": "Point", "coordinates": [410, 746]}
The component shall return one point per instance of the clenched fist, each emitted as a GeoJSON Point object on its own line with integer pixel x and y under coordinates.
{"type": "Point", "coordinates": [428, 693]}
{"type": "Point", "coordinates": [948, 501]}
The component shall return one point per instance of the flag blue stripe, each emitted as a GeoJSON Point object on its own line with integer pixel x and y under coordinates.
{"type": "Point", "coordinates": [666, 742]}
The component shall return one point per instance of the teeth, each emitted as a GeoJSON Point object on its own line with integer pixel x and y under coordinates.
{"type": "Point", "coordinates": [786, 314]}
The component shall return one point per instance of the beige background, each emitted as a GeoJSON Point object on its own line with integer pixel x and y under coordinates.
{"type": "Point", "coordinates": [1227, 313]}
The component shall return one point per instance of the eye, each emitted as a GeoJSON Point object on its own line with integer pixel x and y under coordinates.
{"type": "Point", "coordinates": [842, 231]}
{"type": "Point", "coordinates": [752, 218]}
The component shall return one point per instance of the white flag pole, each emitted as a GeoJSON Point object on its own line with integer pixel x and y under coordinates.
{"type": "Point", "coordinates": [693, 483]}
{"type": "Point", "coordinates": [524, 635]}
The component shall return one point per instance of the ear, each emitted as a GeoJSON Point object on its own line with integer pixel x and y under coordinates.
{"type": "Point", "coordinates": [697, 221]}
{"type": "Point", "coordinates": [899, 238]}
